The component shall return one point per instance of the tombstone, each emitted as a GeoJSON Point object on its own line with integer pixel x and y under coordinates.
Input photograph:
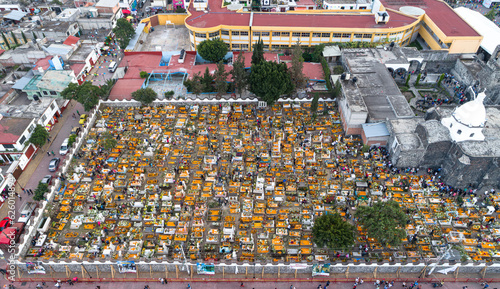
{"type": "Point", "coordinates": [262, 104]}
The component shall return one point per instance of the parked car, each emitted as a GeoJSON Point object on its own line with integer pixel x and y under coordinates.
{"type": "Point", "coordinates": [46, 180]}
{"type": "Point", "coordinates": [54, 164]}
{"type": "Point", "coordinates": [75, 130]}
{"type": "Point", "coordinates": [5, 223]}
{"type": "Point", "coordinates": [26, 212]}
{"type": "Point", "coordinates": [64, 147]}
{"type": "Point", "coordinates": [83, 119]}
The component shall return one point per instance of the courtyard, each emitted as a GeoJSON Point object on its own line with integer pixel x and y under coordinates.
{"type": "Point", "coordinates": [236, 182]}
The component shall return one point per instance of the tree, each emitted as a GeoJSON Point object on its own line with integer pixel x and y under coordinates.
{"type": "Point", "coordinates": [239, 75]}
{"type": "Point", "coordinates": [207, 81]}
{"type": "Point", "coordinates": [14, 37]}
{"type": "Point", "coordinates": [39, 136]}
{"type": "Point", "coordinates": [385, 221]}
{"type": "Point", "coordinates": [418, 79]}
{"type": "Point", "coordinates": [5, 41]}
{"type": "Point", "coordinates": [270, 80]}
{"type": "Point", "coordinates": [24, 37]}
{"type": "Point", "coordinates": [220, 79]}
{"type": "Point", "coordinates": [407, 83]}
{"type": "Point", "coordinates": [124, 31]}
{"type": "Point", "coordinates": [106, 88]}
{"type": "Point", "coordinates": [34, 35]}
{"type": "Point", "coordinates": [491, 14]}
{"type": "Point", "coordinates": [87, 94]}
{"type": "Point", "coordinates": [40, 191]}
{"type": "Point", "coordinates": [337, 89]}
{"type": "Point", "coordinates": [317, 53]}
{"type": "Point", "coordinates": [314, 103]}
{"type": "Point", "coordinates": [196, 84]}
{"type": "Point", "coordinates": [258, 52]}
{"type": "Point", "coordinates": [441, 77]}
{"type": "Point", "coordinates": [144, 95]}
{"type": "Point", "coordinates": [212, 50]}
{"type": "Point", "coordinates": [296, 69]}
{"type": "Point", "coordinates": [333, 232]}
{"type": "Point", "coordinates": [109, 142]}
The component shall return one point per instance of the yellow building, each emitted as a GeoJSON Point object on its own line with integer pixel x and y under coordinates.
{"type": "Point", "coordinates": [382, 21]}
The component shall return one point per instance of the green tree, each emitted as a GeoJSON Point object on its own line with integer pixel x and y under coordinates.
{"type": "Point", "coordinates": [14, 37]}
{"type": "Point", "coordinates": [144, 95]}
{"type": "Point", "coordinates": [258, 52]}
{"type": "Point", "coordinates": [124, 31]}
{"type": "Point", "coordinates": [109, 142]}
{"type": "Point", "coordinates": [314, 103]}
{"type": "Point", "coordinates": [407, 83]}
{"type": "Point", "coordinates": [317, 53]}
{"type": "Point", "coordinates": [491, 14]}
{"type": "Point", "coordinates": [441, 77]}
{"type": "Point", "coordinates": [5, 41]}
{"type": "Point", "coordinates": [418, 79]}
{"type": "Point", "coordinates": [296, 69]}
{"type": "Point", "coordinates": [87, 94]}
{"type": "Point", "coordinates": [39, 136]}
{"type": "Point", "coordinates": [212, 50]}
{"type": "Point", "coordinates": [337, 89]}
{"type": "Point", "coordinates": [239, 75]}
{"type": "Point", "coordinates": [207, 81]}
{"type": "Point", "coordinates": [197, 85]}
{"type": "Point", "coordinates": [34, 35]}
{"type": "Point", "coordinates": [40, 191]}
{"type": "Point", "coordinates": [24, 37]}
{"type": "Point", "coordinates": [384, 221]}
{"type": "Point", "coordinates": [220, 79]}
{"type": "Point", "coordinates": [43, 34]}
{"type": "Point", "coordinates": [107, 87]}
{"type": "Point", "coordinates": [333, 232]}
{"type": "Point", "coordinates": [270, 80]}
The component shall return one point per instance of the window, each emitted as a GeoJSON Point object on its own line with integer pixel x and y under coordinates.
{"type": "Point", "coordinates": [358, 35]}
{"type": "Point", "coordinates": [367, 36]}
{"type": "Point", "coordinates": [296, 34]}
{"type": "Point", "coordinates": [266, 47]}
{"type": "Point", "coordinates": [53, 106]}
{"type": "Point", "coordinates": [53, 92]}
{"type": "Point", "coordinates": [8, 146]}
{"type": "Point", "coordinates": [265, 34]}
{"type": "Point", "coordinates": [236, 46]}
{"type": "Point", "coordinates": [200, 35]}
{"type": "Point", "coordinates": [305, 34]}
{"type": "Point", "coordinates": [45, 92]}
{"type": "Point", "coordinates": [213, 34]}
{"type": "Point", "coordinates": [22, 139]}
{"type": "Point", "coordinates": [337, 35]}
{"type": "Point", "coordinates": [362, 8]}
{"type": "Point", "coordinates": [244, 33]}
{"type": "Point", "coordinates": [342, 8]}
{"type": "Point", "coordinates": [224, 32]}
{"type": "Point", "coordinates": [235, 33]}
{"type": "Point", "coordinates": [346, 35]}
{"type": "Point", "coordinates": [275, 46]}
{"type": "Point", "coordinates": [276, 34]}
{"type": "Point", "coordinates": [471, 135]}
{"type": "Point", "coordinates": [256, 34]}
{"type": "Point", "coordinates": [285, 46]}
{"type": "Point", "coordinates": [244, 46]}
{"type": "Point", "coordinates": [316, 34]}
{"type": "Point", "coordinates": [31, 128]}
{"type": "Point", "coordinates": [325, 35]}
{"type": "Point", "coordinates": [285, 34]}
{"type": "Point", "coordinates": [44, 118]}
{"type": "Point", "coordinates": [459, 131]}
{"type": "Point", "coordinates": [67, 33]}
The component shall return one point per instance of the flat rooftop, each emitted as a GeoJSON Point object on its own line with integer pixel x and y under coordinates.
{"type": "Point", "coordinates": [11, 128]}
{"type": "Point", "coordinates": [375, 85]}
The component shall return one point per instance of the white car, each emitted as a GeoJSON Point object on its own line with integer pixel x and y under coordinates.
{"type": "Point", "coordinates": [64, 147]}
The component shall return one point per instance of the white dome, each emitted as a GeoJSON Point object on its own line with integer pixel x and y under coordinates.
{"type": "Point", "coordinates": [472, 113]}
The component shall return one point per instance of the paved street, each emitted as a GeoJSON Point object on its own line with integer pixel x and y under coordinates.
{"type": "Point", "coordinates": [309, 284]}
{"type": "Point", "coordinates": [100, 73]}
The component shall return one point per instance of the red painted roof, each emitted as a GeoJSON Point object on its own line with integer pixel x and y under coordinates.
{"type": "Point", "coordinates": [1, 51]}
{"type": "Point", "coordinates": [71, 40]}
{"type": "Point", "coordinates": [77, 68]}
{"type": "Point", "coordinates": [221, 16]}
{"type": "Point", "coordinates": [443, 16]}
{"type": "Point", "coordinates": [44, 63]}
{"type": "Point", "coordinates": [123, 88]}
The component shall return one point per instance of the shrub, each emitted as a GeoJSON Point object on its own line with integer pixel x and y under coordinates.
{"type": "Point", "coordinates": [144, 74]}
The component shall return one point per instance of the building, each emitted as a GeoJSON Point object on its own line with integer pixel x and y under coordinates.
{"type": "Point", "coordinates": [99, 17]}
{"type": "Point", "coordinates": [16, 125]}
{"type": "Point", "coordinates": [431, 22]}
{"type": "Point", "coordinates": [463, 141]}
{"type": "Point", "coordinates": [369, 91]}
{"type": "Point", "coordinates": [51, 83]}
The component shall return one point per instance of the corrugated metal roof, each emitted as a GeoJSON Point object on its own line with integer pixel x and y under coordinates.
{"type": "Point", "coordinates": [375, 129]}
{"type": "Point", "coordinates": [15, 15]}
{"type": "Point", "coordinates": [331, 51]}
{"type": "Point", "coordinates": [21, 83]}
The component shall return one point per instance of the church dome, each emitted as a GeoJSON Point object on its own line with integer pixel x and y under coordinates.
{"type": "Point", "coordinates": [472, 113]}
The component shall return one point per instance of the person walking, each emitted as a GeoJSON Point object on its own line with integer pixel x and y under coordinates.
{"type": "Point", "coordinates": [52, 152]}
{"type": "Point", "coordinates": [241, 285]}
{"type": "Point", "coordinates": [78, 113]}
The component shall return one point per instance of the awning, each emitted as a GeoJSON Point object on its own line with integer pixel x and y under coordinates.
{"type": "Point", "coordinates": [125, 11]}
{"type": "Point", "coordinates": [15, 15]}
{"type": "Point", "coordinates": [330, 51]}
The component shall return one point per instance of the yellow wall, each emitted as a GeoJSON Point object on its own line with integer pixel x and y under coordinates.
{"type": "Point", "coordinates": [429, 39]}
{"type": "Point", "coordinates": [177, 19]}
{"type": "Point", "coordinates": [465, 45]}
